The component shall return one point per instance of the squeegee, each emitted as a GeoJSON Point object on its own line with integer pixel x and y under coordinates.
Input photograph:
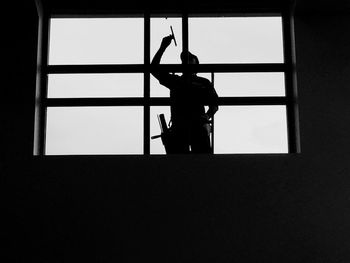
{"type": "Point", "coordinates": [172, 34]}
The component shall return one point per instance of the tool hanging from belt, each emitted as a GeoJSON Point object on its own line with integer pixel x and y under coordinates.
{"type": "Point", "coordinates": [166, 134]}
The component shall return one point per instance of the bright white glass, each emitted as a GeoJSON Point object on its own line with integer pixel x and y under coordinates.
{"type": "Point", "coordinates": [160, 27]}
{"type": "Point", "coordinates": [95, 85]}
{"type": "Point", "coordinates": [249, 84]}
{"type": "Point", "coordinates": [250, 129]}
{"type": "Point", "coordinates": [94, 130]}
{"type": "Point", "coordinates": [96, 41]}
{"type": "Point", "coordinates": [236, 39]}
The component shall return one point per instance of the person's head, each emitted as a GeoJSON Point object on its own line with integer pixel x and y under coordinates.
{"type": "Point", "coordinates": [192, 59]}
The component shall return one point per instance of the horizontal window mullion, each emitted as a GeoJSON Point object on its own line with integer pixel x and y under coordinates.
{"type": "Point", "coordinates": [231, 101]}
{"type": "Point", "coordinates": [76, 102]}
{"type": "Point", "coordinates": [268, 67]}
{"type": "Point", "coordinates": [265, 67]}
{"type": "Point", "coordinates": [159, 101]}
{"type": "Point", "coordinates": [81, 69]}
{"type": "Point", "coordinates": [137, 68]}
{"type": "Point", "coordinates": [235, 101]}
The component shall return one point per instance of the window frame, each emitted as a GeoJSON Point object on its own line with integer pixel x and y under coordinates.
{"type": "Point", "coordinates": [287, 67]}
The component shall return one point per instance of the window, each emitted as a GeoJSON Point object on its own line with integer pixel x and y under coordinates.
{"type": "Point", "coordinates": [96, 94]}
{"type": "Point", "coordinates": [81, 41]}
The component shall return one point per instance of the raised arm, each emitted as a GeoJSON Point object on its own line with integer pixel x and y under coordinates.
{"type": "Point", "coordinates": [158, 56]}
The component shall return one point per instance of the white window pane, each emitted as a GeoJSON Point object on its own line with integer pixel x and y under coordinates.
{"type": "Point", "coordinates": [249, 84]}
{"type": "Point", "coordinates": [96, 41]}
{"type": "Point", "coordinates": [95, 85]}
{"type": "Point", "coordinates": [250, 129]}
{"type": "Point", "coordinates": [236, 39]}
{"type": "Point", "coordinates": [94, 130]}
{"type": "Point", "coordinates": [160, 27]}
{"type": "Point", "coordinates": [157, 146]}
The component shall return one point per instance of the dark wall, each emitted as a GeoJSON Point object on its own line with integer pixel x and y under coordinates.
{"type": "Point", "coordinates": [222, 208]}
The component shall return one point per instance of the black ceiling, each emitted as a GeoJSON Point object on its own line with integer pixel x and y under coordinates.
{"type": "Point", "coordinates": [116, 6]}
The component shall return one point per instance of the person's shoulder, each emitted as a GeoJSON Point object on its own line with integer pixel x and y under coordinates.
{"type": "Point", "coordinates": [201, 78]}
{"type": "Point", "coordinates": [204, 81]}
{"type": "Point", "coordinates": [170, 80]}
{"type": "Point", "coordinates": [175, 76]}
{"type": "Point", "coordinates": [171, 76]}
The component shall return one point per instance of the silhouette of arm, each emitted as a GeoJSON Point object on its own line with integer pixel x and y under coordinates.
{"type": "Point", "coordinates": [164, 77]}
{"type": "Point", "coordinates": [212, 110]}
{"type": "Point", "coordinates": [213, 102]}
{"type": "Point", "coordinates": [159, 74]}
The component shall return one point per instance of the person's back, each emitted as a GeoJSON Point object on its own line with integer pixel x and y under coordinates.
{"type": "Point", "coordinates": [187, 98]}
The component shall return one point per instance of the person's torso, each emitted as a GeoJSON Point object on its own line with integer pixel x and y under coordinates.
{"type": "Point", "coordinates": [188, 99]}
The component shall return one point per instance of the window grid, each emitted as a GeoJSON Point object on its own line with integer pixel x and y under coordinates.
{"type": "Point", "coordinates": [146, 101]}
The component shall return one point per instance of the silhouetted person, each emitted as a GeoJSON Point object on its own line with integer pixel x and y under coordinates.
{"type": "Point", "coordinates": [189, 94]}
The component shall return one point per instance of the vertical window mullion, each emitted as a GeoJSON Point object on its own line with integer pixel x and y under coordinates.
{"type": "Point", "coordinates": [212, 121]}
{"type": "Point", "coordinates": [185, 34]}
{"type": "Point", "coordinates": [42, 96]}
{"type": "Point", "coordinates": [291, 106]}
{"type": "Point", "coordinates": [146, 113]}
